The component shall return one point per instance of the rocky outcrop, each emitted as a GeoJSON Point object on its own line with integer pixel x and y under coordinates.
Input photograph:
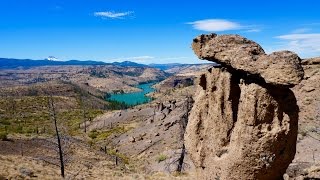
{"type": "Point", "coordinates": [244, 122]}
{"type": "Point", "coordinates": [278, 68]}
{"type": "Point", "coordinates": [306, 164]}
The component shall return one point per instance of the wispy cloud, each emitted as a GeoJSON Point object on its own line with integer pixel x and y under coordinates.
{"type": "Point", "coordinates": [113, 15]}
{"type": "Point", "coordinates": [253, 30]}
{"type": "Point", "coordinates": [140, 59]}
{"type": "Point", "coordinates": [174, 58]}
{"type": "Point", "coordinates": [306, 44]}
{"type": "Point", "coordinates": [216, 25]}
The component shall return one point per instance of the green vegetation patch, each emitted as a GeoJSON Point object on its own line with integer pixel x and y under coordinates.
{"type": "Point", "coordinates": [31, 115]}
{"type": "Point", "coordinates": [122, 157]}
{"type": "Point", "coordinates": [99, 135]}
{"type": "Point", "coordinates": [116, 105]}
{"type": "Point", "coordinates": [161, 157]}
{"type": "Point", "coordinates": [3, 136]}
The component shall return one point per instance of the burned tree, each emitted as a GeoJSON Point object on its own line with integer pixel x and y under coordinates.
{"type": "Point", "coordinates": [53, 117]}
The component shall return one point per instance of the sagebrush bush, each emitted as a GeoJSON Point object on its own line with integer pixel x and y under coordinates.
{"type": "Point", "coordinates": [93, 134]}
{"type": "Point", "coordinates": [3, 136]}
{"type": "Point", "coordinates": [161, 157]}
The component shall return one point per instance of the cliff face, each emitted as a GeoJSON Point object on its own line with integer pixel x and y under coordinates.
{"type": "Point", "coordinates": [245, 118]}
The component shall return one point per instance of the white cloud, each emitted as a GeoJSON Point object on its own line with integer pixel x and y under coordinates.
{"type": "Point", "coordinates": [253, 30]}
{"type": "Point", "coordinates": [113, 15]}
{"type": "Point", "coordinates": [299, 36]}
{"type": "Point", "coordinates": [305, 44]}
{"type": "Point", "coordinates": [215, 25]}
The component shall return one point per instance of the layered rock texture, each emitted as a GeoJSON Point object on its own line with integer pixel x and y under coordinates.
{"type": "Point", "coordinates": [245, 118]}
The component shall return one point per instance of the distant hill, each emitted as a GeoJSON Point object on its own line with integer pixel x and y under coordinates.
{"type": "Point", "coordinates": [165, 66]}
{"type": "Point", "coordinates": [7, 63]}
{"type": "Point", "coordinates": [129, 64]}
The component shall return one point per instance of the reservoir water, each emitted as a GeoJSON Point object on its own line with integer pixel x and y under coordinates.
{"type": "Point", "coordinates": [135, 98]}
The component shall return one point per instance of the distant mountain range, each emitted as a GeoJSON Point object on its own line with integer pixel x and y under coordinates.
{"type": "Point", "coordinates": [8, 63]}
{"type": "Point", "coordinates": [11, 63]}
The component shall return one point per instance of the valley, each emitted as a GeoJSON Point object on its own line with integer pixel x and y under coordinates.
{"type": "Point", "coordinates": [119, 122]}
{"type": "Point", "coordinates": [96, 117]}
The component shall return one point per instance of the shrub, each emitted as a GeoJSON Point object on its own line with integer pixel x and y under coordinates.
{"type": "Point", "coordinates": [102, 135]}
{"type": "Point", "coordinates": [161, 158]}
{"type": "Point", "coordinates": [4, 136]}
{"type": "Point", "coordinates": [121, 157]}
{"type": "Point", "coordinates": [116, 105]}
{"type": "Point", "coordinates": [91, 143]}
{"type": "Point", "coordinates": [93, 134]}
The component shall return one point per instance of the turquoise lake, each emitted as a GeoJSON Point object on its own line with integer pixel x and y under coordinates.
{"type": "Point", "coordinates": [135, 97]}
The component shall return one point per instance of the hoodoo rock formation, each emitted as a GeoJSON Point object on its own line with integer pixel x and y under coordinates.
{"type": "Point", "coordinates": [244, 122]}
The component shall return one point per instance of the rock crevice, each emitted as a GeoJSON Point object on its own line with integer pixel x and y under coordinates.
{"type": "Point", "coordinates": [244, 122]}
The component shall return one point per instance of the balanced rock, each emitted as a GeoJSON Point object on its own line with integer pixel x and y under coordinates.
{"type": "Point", "coordinates": [279, 68]}
{"type": "Point", "coordinates": [311, 61]}
{"type": "Point", "coordinates": [241, 126]}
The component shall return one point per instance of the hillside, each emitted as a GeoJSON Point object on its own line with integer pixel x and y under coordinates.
{"type": "Point", "coordinates": [106, 78]}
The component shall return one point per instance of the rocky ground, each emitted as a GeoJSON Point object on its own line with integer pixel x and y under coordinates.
{"type": "Point", "coordinates": [154, 135]}
{"type": "Point", "coordinates": [35, 160]}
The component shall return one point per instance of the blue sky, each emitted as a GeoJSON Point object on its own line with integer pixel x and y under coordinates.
{"type": "Point", "coordinates": [151, 31]}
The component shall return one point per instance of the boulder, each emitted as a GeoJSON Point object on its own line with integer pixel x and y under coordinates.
{"type": "Point", "coordinates": [132, 139]}
{"type": "Point", "coordinates": [279, 68]}
{"type": "Point", "coordinates": [166, 111]}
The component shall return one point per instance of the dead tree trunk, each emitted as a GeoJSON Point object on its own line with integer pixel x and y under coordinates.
{"type": "Point", "coordinates": [181, 159]}
{"type": "Point", "coordinates": [53, 117]}
{"type": "Point", "coordinates": [21, 148]}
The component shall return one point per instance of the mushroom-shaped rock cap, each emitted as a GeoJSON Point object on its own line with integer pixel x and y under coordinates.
{"type": "Point", "coordinates": [233, 51]}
